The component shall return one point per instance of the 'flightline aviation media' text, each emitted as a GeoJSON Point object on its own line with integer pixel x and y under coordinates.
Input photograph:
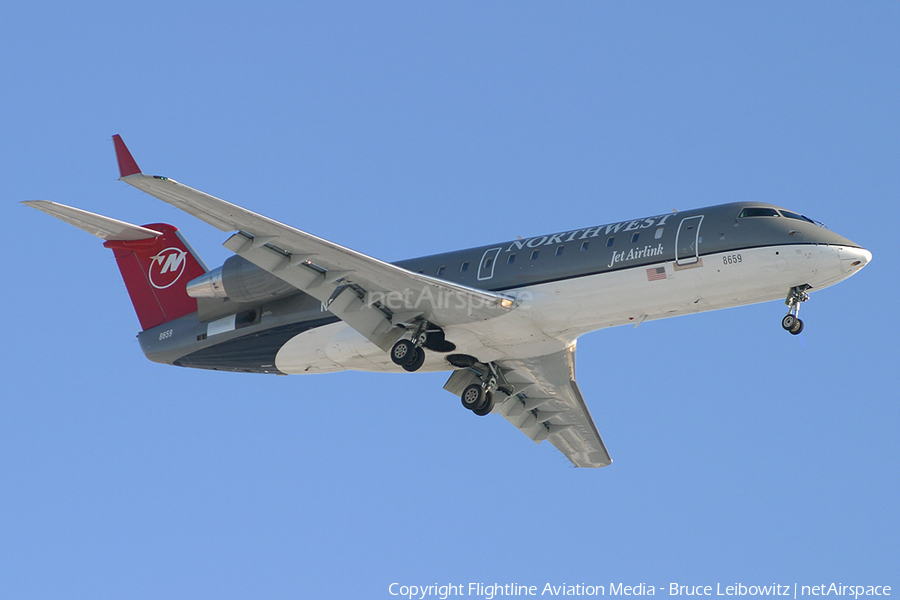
{"type": "Point", "coordinates": [490, 591]}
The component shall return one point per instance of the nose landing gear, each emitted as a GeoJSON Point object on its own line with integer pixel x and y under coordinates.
{"type": "Point", "coordinates": [791, 321]}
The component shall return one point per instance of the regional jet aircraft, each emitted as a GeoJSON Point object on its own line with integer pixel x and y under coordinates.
{"type": "Point", "coordinates": [503, 318]}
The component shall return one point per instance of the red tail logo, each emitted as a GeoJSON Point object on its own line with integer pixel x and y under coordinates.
{"type": "Point", "coordinates": [156, 271]}
{"type": "Point", "coordinates": [166, 267]}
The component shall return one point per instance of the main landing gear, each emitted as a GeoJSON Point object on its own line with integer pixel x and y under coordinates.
{"type": "Point", "coordinates": [409, 356]}
{"type": "Point", "coordinates": [479, 397]}
{"type": "Point", "coordinates": [791, 322]}
{"type": "Point", "coordinates": [410, 353]}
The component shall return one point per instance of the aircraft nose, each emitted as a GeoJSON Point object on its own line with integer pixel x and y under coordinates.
{"type": "Point", "coordinates": [854, 259]}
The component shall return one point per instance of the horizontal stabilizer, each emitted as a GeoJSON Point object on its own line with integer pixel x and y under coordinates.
{"type": "Point", "coordinates": [155, 261]}
{"type": "Point", "coordinates": [104, 228]}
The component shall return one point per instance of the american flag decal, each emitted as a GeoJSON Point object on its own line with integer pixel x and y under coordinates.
{"type": "Point", "coordinates": [656, 273]}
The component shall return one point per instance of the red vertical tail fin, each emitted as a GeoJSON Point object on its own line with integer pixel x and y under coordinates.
{"type": "Point", "coordinates": [156, 271]}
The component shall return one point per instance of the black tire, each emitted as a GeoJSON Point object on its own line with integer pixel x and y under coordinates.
{"type": "Point", "coordinates": [789, 322]}
{"type": "Point", "coordinates": [486, 408]}
{"type": "Point", "coordinates": [403, 352]}
{"type": "Point", "coordinates": [473, 396]}
{"type": "Point", "coordinates": [417, 362]}
{"type": "Point", "coordinates": [797, 328]}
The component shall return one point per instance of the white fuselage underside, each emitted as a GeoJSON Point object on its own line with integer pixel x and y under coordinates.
{"type": "Point", "coordinates": [552, 315]}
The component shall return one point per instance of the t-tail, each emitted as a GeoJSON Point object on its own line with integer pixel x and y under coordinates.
{"type": "Point", "coordinates": [154, 260]}
{"type": "Point", "coordinates": [156, 271]}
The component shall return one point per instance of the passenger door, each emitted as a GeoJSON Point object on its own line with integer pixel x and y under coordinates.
{"type": "Point", "coordinates": [488, 262]}
{"type": "Point", "coordinates": [687, 241]}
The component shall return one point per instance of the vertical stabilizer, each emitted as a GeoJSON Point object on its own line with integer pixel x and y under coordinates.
{"type": "Point", "coordinates": [156, 271]}
{"type": "Point", "coordinates": [155, 261]}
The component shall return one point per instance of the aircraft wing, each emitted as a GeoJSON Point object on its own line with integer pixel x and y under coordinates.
{"type": "Point", "coordinates": [550, 406]}
{"type": "Point", "coordinates": [369, 294]}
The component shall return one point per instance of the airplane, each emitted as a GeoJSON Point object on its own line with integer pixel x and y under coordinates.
{"type": "Point", "coordinates": [504, 318]}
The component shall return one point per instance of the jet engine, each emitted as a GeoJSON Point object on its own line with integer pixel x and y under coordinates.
{"type": "Point", "coordinates": [239, 280]}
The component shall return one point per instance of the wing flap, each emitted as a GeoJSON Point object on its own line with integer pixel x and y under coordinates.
{"type": "Point", "coordinates": [547, 405]}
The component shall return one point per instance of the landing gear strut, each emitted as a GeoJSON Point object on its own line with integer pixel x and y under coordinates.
{"type": "Point", "coordinates": [791, 321]}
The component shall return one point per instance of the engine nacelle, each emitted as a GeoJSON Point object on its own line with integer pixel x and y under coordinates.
{"type": "Point", "coordinates": [240, 280]}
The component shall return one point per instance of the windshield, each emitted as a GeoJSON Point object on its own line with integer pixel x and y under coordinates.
{"type": "Point", "coordinates": [793, 215]}
{"type": "Point", "coordinates": [765, 211]}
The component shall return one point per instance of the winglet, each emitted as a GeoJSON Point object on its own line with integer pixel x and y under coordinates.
{"type": "Point", "coordinates": [127, 164]}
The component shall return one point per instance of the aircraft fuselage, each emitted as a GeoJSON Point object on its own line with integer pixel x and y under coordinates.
{"type": "Point", "coordinates": [566, 283]}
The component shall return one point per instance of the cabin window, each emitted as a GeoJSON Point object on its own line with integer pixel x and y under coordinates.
{"type": "Point", "coordinates": [584, 246]}
{"type": "Point", "coordinates": [559, 250]}
{"type": "Point", "coordinates": [610, 241]}
{"type": "Point", "coordinates": [511, 259]}
{"type": "Point", "coordinates": [440, 270]}
{"type": "Point", "coordinates": [535, 254]}
{"type": "Point", "coordinates": [658, 233]}
{"type": "Point", "coordinates": [488, 263]}
{"type": "Point", "coordinates": [420, 271]}
{"type": "Point", "coordinates": [634, 237]}
{"type": "Point", "coordinates": [758, 212]}
{"type": "Point", "coordinates": [464, 267]}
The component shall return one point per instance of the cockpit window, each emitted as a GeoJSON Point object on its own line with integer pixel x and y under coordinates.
{"type": "Point", "coordinates": [793, 215]}
{"type": "Point", "coordinates": [758, 212]}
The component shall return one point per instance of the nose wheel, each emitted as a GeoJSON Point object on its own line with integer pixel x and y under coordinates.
{"type": "Point", "coordinates": [791, 321]}
{"type": "Point", "coordinates": [792, 324]}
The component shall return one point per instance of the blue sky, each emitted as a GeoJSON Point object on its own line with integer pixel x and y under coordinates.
{"type": "Point", "coordinates": [742, 454]}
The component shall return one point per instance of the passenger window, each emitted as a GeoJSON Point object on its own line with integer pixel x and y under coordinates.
{"type": "Point", "coordinates": [758, 212]}
{"type": "Point", "coordinates": [658, 234]}
{"type": "Point", "coordinates": [609, 242]}
{"type": "Point", "coordinates": [634, 237]}
{"type": "Point", "coordinates": [534, 255]}
{"type": "Point", "coordinates": [559, 250]}
{"type": "Point", "coordinates": [464, 267]}
{"type": "Point", "coordinates": [584, 246]}
{"type": "Point", "coordinates": [511, 259]}
{"type": "Point", "coordinates": [488, 263]}
{"type": "Point", "coordinates": [440, 270]}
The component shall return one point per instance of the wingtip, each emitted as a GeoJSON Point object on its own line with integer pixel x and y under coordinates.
{"type": "Point", "coordinates": [127, 164]}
